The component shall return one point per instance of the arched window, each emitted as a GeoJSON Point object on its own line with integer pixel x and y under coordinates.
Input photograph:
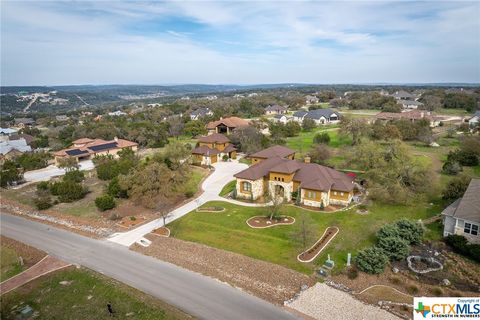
{"type": "Point", "coordinates": [246, 186]}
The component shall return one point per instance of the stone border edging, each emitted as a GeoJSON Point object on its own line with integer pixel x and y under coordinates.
{"type": "Point", "coordinates": [433, 260]}
{"type": "Point", "coordinates": [385, 286]}
{"type": "Point", "coordinates": [324, 246]}
{"type": "Point", "coordinates": [272, 225]}
{"type": "Point", "coordinates": [209, 211]}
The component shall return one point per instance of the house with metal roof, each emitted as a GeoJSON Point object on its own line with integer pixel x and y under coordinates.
{"type": "Point", "coordinates": [320, 116]}
{"type": "Point", "coordinates": [462, 217]}
{"type": "Point", "coordinates": [279, 175]}
{"type": "Point", "coordinates": [10, 149]}
{"type": "Point", "coordinates": [86, 148]}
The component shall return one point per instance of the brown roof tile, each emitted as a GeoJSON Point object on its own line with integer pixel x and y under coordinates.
{"type": "Point", "coordinates": [274, 151]}
{"type": "Point", "coordinates": [231, 122]}
{"type": "Point", "coordinates": [216, 137]}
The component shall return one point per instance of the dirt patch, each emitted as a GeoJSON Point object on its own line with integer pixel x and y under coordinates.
{"type": "Point", "coordinates": [132, 221]}
{"type": "Point", "coordinates": [30, 255]}
{"type": "Point", "coordinates": [265, 280]}
{"type": "Point", "coordinates": [315, 250]}
{"type": "Point", "coordinates": [210, 209]}
{"type": "Point", "coordinates": [261, 222]}
{"type": "Point", "coordinates": [162, 231]}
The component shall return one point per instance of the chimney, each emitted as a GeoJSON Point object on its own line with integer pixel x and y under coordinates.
{"type": "Point", "coordinates": [306, 159]}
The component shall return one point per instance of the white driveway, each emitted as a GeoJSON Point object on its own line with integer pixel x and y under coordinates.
{"type": "Point", "coordinates": [212, 186]}
{"type": "Point", "coordinates": [47, 173]}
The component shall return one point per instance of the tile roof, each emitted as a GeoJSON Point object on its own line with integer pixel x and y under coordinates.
{"type": "Point", "coordinates": [231, 122]}
{"type": "Point", "coordinates": [259, 169]}
{"type": "Point", "coordinates": [468, 207]}
{"type": "Point", "coordinates": [94, 146]}
{"type": "Point", "coordinates": [274, 151]}
{"type": "Point", "coordinates": [206, 151]}
{"type": "Point", "coordinates": [216, 137]}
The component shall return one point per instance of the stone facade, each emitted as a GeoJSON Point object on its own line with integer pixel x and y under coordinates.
{"type": "Point", "coordinates": [287, 187]}
{"type": "Point", "coordinates": [257, 189]}
{"type": "Point", "coordinates": [315, 203]}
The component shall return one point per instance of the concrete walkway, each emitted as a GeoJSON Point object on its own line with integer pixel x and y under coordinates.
{"type": "Point", "coordinates": [46, 265]}
{"type": "Point", "coordinates": [212, 186]}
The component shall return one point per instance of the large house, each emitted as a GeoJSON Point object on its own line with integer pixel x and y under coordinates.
{"type": "Point", "coordinates": [275, 151]}
{"type": "Point", "coordinates": [320, 116]}
{"type": "Point", "coordinates": [86, 148]}
{"type": "Point", "coordinates": [226, 125]}
{"type": "Point", "coordinates": [10, 149]}
{"type": "Point", "coordinates": [462, 217]}
{"type": "Point", "coordinates": [282, 118]}
{"type": "Point", "coordinates": [200, 113]}
{"type": "Point", "coordinates": [413, 115]}
{"type": "Point", "coordinates": [410, 104]}
{"type": "Point", "coordinates": [276, 109]}
{"type": "Point", "coordinates": [403, 95]}
{"type": "Point", "coordinates": [210, 148]}
{"type": "Point", "coordinates": [279, 175]}
{"type": "Point", "coordinates": [24, 122]}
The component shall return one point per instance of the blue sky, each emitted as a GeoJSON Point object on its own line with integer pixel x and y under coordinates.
{"type": "Point", "coordinates": [244, 42]}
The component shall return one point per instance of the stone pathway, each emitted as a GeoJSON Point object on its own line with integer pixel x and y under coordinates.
{"type": "Point", "coordinates": [46, 265]}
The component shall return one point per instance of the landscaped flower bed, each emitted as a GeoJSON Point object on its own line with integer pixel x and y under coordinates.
{"type": "Point", "coordinates": [264, 222]}
{"type": "Point", "coordinates": [162, 231]}
{"type": "Point", "coordinates": [315, 250]}
{"type": "Point", "coordinates": [131, 221]}
{"type": "Point", "coordinates": [211, 209]}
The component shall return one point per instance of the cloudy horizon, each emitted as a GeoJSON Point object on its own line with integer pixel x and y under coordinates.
{"type": "Point", "coordinates": [111, 42]}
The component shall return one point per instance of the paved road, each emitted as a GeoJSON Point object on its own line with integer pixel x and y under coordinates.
{"type": "Point", "coordinates": [212, 186]}
{"type": "Point", "coordinates": [198, 295]}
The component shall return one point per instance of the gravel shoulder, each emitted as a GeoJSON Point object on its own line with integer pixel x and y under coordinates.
{"type": "Point", "coordinates": [268, 281]}
{"type": "Point", "coordinates": [324, 302]}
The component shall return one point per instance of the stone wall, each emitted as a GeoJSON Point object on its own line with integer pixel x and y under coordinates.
{"type": "Point", "coordinates": [257, 189]}
{"type": "Point", "coordinates": [287, 186]}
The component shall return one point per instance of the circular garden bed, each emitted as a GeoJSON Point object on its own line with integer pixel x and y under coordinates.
{"type": "Point", "coordinates": [261, 222]}
{"type": "Point", "coordinates": [314, 251]}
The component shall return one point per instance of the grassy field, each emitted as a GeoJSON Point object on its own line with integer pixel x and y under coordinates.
{"type": "Point", "coordinates": [85, 297]}
{"type": "Point", "coordinates": [9, 263]}
{"type": "Point", "coordinates": [304, 141]}
{"type": "Point", "coordinates": [228, 230]}
{"type": "Point", "coordinates": [229, 187]}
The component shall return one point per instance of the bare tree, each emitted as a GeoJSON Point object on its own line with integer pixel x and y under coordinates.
{"type": "Point", "coordinates": [305, 231]}
{"type": "Point", "coordinates": [275, 204]}
{"type": "Point", "coordinates": [175, 126]}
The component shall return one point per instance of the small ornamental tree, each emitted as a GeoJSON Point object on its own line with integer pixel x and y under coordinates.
{"type": "Point", "coordinates": [395, 248]}
{"type": "Point", "coordinates": [43, 202]}
{"type": "Point", "coordinates": [410, 230]}
{"type": "Point", "coordinates": [105, 202]}
{"type": "Point", "coordinates": [371, 260]}
{"type": "Point", "coordinates": [388, 231]}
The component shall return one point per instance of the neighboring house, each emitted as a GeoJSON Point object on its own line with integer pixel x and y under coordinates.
{"type": "Point", "coordinates": [7, 131]}
{"type": "Point", "coordinates": [412, 116]}
{"type": "Point", "coordinates": [117, 113]}
{"type": "Point", "coordinates": [275, 151]}
{"type": "Point", "coordinates": [62, 118]}
{"type": "Point", "coordinates": [200, 113]}
{"type": "Point", "coordinates": [323, 116]}
{"type": "Point", "coordinates": [315, 185]}
{"type": "Point", "coordinates": [311, 100]}
{"type": "Point", "coordinates": [212, 147]}
{"type": "Point", "coordinates": [85, 148]}
{"type": "Point", "coordinates": [28, 138]}
{"type": "Point", "coordinates": [462, 217]}
{"type": "Point", "coordinates": [410, 104]}
{"type": "Point", "coordinates": [12, 148]}
{"type": "Point", "coordinates": [226, 125]}
{"type": "Point", "coordinates": [281, 118]}
{"type": "Point", "coordinates": [299, 116]}
{"type": "Point", "coordinates": [475, 119]}
{"type": "Point", "coordinates": [24, 122]}
{"type": "Point", "coordinates": [404, 95]}
{"type": "Point", "coordinates": [276, 109]}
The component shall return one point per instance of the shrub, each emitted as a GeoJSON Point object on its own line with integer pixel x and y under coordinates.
{"type": "Point", "coordinates": [410, 230]}
{"type": "Point", "coordinates": [105, 202]}
{"type": "Point", "coordinates": [43, 202]}
{"type": "Point", "coordinates": [132, 218]}
{"type": "Point", "coordinates": [68, 191]}
{"type": "Point", "coordinates": [42, 186]}
{"type": "Point", "coordinates": [322, 138]}
{"type": "Point", "coordinates": [114, 217]}
{"type": "Point", "coordinates": [452, 168]}
{"type": "Point", "coordinates": [225, 157]}
{"type": "Point", "coordinates": [372, 260]}
{"type": "Point", "coordinates": [460, 245]}
{"type": "Point", "coordinates": [115, 190]}
{"type": "Point", "coordinates": [352, 273]}
{"type": "Point", "coordinates": [413, 289]}
{"type": "Point", "coordinates": [395, 280]}
{"type": "Point", "coordinates": [456, 188]}
{"type": "Point", "coordinates": [437, 292]}
{"type": "Point", "coordinates": [394, 247]}
{"type": "Point", "coordinates": [189, 194]}
{"type": "Point", "coordinates": [74, 175]}
{"type": "Point", "coordinates": [388, 231]}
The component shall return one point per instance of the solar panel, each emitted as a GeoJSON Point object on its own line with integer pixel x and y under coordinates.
{"type": "Point", "coordinates": [104, 146]}
{"type": "Point", "coordinates": [76, 152]}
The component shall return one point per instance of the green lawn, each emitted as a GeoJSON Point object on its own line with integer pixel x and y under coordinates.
{"type": "Point", "coordinates": [304, 141]}
{"type": "Point", "coordinates": [9, 263]}
{"type": "Point", "coordinates": [85, 297]}
{"type": "Point", "coordinates": [453, 112]}
{"type": "Point", "coordinates": [229, 187]}
{"type": "Point", "coordinates": [228, 230]}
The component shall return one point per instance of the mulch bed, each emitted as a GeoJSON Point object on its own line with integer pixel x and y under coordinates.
{"type": "Point", "coordinates": [128, 222]}
{"type": "Point", "coordinates": [330, 208]}
{"type": "Point", "coordinates": [264, 222]}
{"type": "Point", "coordinates": [162, 231]}
{"type": "Point", "coordinates": [266, 280]}
{"type": "Point", "coordinates": [315, 250]}
{"type": "Point", "coordinates": [211, 209]}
